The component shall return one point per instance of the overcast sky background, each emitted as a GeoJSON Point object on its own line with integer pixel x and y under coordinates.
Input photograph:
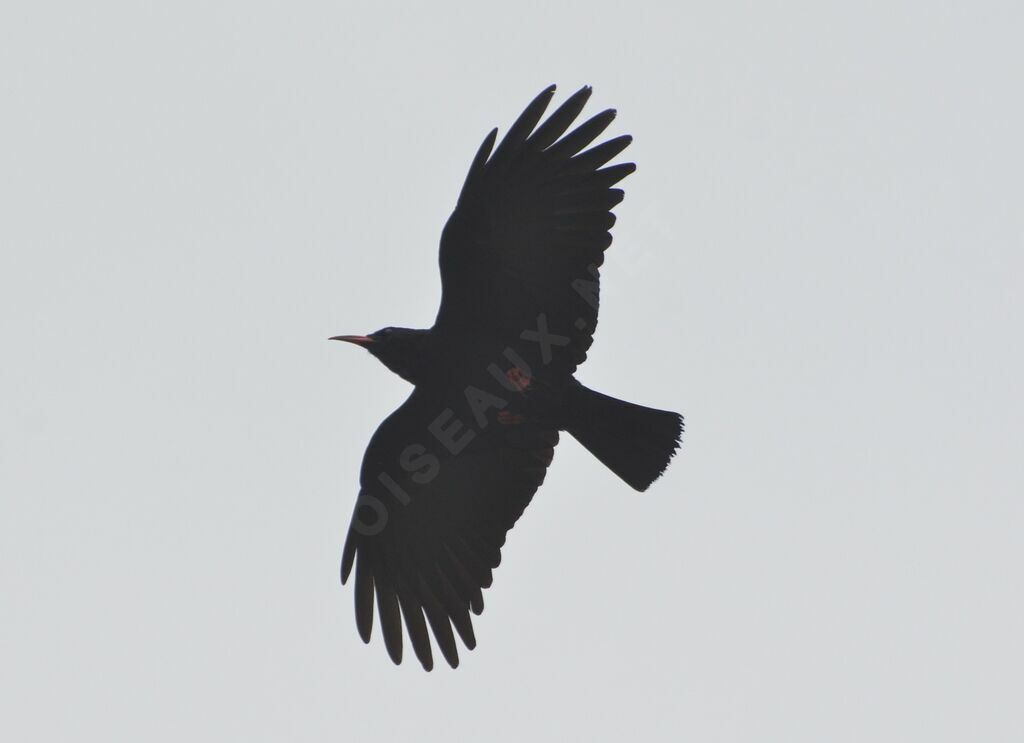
{"type": "Point", "coordinates": [820, 259]}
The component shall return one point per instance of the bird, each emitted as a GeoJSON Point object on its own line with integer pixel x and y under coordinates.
{"type": "Point", "coordinates": [447, 475]}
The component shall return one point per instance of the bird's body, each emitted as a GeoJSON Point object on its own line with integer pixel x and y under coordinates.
{"type": "Point", "coordinates": [447, 474]}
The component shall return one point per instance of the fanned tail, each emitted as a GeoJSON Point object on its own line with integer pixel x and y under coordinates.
{"type": "Point", "coordinates": [634, 442]}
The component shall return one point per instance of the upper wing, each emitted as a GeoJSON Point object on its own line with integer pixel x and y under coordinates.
{"type": "Point", "coordinates": [432, 515]}
{"type": "Point", "coordinates": [523, 247]}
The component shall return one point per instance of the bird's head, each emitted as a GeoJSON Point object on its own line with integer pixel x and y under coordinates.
{"type": "Point", "coordinates": [399, 349]}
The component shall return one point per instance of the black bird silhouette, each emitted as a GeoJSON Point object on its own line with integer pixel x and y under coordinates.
{"type": "Point", "coordinates": [448, 473]}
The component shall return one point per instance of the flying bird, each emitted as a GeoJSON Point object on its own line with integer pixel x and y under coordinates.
{"type": "Point", "coordinates": [447, 474]}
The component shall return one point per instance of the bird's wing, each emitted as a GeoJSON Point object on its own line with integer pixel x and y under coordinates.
{"type": "Point", "coordinates": [523, 247]}
{"type": "Point", "coordinates": [432, 515]}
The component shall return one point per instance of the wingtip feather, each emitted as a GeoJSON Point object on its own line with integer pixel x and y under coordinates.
{"type": "Point", "coordinates": [347, 557]}
{"type": "Point", "coordinates": [364, 599]}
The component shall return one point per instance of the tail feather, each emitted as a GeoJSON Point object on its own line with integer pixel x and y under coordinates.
{"type": "Point", "coordinates": [634, 442]}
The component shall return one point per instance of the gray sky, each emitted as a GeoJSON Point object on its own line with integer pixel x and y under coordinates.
{"type": "Point", "coordinates": [821, 251]}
